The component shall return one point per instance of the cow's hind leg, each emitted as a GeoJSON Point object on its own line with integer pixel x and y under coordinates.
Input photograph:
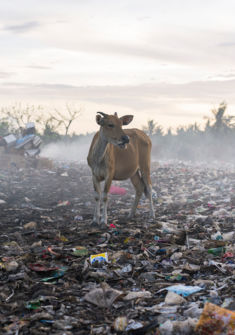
{"type": "Point", "coordinates": [148, 190]}
{"type": "Point", "coordinates": [145, 176]}
{"type": "Point", "coordinates": [96, 217]}
{"type": "Point", "coordinates": [139, 188]}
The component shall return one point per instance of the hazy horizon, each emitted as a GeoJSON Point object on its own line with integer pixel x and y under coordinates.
{"type": "Point", "coordinates": [168, 61]}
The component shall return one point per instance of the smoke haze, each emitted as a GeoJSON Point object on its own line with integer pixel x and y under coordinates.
{"type": "Point", "coordinates": [192, 147]}
{"type": "Point", "coordinates": [68, 151]}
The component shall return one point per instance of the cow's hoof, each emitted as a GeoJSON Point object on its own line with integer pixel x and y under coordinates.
{"type": "Point", "coordinates": [94, 223]}
{"type": "Point", "coordinates": [103, 223]}
{"type": "Point", "coordinates": [130, 216]}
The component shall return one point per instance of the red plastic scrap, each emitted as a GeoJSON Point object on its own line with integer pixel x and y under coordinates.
{"type": "Point", "coordinates": [117, 190]}
{"type": "Point", "coordinates": [227, 255]}
{"type": "Point", "coordinates": [112, 225]}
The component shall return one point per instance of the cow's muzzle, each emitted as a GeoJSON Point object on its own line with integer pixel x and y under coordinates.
{"type": "Point", "coordinates": [124, 140]}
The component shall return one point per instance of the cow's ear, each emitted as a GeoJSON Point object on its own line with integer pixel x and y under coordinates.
{"type": "Point", "coordinates": [126, 119]}
{"type": "Point", "coordinates": [99, 120]}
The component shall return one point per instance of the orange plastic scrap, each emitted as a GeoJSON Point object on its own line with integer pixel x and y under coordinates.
{"type": "Point", "coordinates": [216, 320]}
{"type": "Point", "coordinates": [53, 252]}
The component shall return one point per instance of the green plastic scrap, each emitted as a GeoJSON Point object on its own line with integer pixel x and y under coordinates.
{"type": "Point", "coordinates": [80, 251]}
{"type": "Point", "coordinates": [56, 274]}
{"type": "Point", "coordinates": [34, 304]}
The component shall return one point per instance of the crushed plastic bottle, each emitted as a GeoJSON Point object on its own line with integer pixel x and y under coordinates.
{"type": "Point", "coordinates": [216, 251]}
{"type": "Point", "coordinates": [217, 236]}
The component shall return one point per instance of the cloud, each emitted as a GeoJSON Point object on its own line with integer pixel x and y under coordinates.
{"type": "Point", "coordinates": [4, 74]}
{"type": "Point", "coordinates": [23, 27]}
{"type": "Point", "coordinates": [143, 18]}
{"type": "Point", "coordinates": [224, 75]}
{"type": "Point", "coordinates": [138, 97]}
{"type": "Point", "coordinates": [190, 47]}
{"type": "Point", "coordinates": [170, 104]}
{"type": "Point", "coordinates": [39, 67]}
{"type": "Point", "coordinates": [227, 44]}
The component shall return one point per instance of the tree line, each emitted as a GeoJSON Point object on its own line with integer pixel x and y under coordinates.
{"type": "Point", "coordinates": [52, 126]}
{"type": "Point", "coordinates": [214, 141]}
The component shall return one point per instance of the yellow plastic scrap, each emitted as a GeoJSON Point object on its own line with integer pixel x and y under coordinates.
{"type": "Point", "coordinates": [216, 320]}
{"type": "Point", "coordinates": [127, 240]}
{"type": "Point", "coordinates": [2, 266]}
{"type": "Point", "coordinates": [63, 238]}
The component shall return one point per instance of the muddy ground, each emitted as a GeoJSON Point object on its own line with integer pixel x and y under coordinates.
{"type": "Point", "coordinates": [46, 240]}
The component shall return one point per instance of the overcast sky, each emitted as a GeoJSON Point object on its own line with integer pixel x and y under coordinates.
{"type": "Point", "coordinates": [171, 61]}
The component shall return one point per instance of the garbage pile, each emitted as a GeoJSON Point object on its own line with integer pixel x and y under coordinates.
{"type": "Point", "coordinates": [171, 275]}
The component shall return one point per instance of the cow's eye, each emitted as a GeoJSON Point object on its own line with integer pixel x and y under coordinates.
{"type": "Point", "coordinates": [111, 125]}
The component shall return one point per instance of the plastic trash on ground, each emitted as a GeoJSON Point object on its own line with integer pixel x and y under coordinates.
{"type": "Point", "coordinates": [117, 190]}
{"type": "Point", "coordinates": [216, 321]}
{"type": "Point", "coordinates": [99, 258]}
{"type": "Point", "coordinates": [120, 323]}
{"type": "Point", "coordinates": [103, 296]}
{"type": "Point", "coordinates": [158, 274]}
{"type": "Point", "coordinates": [174, 299]}
{"type": "Point", "coordinates": [184, 290]}
{"type": "Point", "coordinates": [178, 327]}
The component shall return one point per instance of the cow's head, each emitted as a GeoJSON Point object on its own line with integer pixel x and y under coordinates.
{"type": "Point", "coordinates": [112, 128]}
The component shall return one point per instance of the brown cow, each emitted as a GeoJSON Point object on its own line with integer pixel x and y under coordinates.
{"type": "Point", "coordinates": [116, 154]}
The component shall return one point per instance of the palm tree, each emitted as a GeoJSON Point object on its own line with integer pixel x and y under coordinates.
{"type": "Point", "coordinates": [152, 128]}
{"type": "Point", "coordinates": [222, 123]}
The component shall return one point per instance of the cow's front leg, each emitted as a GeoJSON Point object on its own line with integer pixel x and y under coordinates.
{"type": "Point", "coordinates": [97, 189]}
{"type": "Point", "coordinates": [107, 184]}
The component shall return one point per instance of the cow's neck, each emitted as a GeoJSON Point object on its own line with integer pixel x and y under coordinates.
{"type": "Point", "coordinates": [100, 147]}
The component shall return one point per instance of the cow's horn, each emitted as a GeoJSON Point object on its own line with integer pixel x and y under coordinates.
{"type": "Point", "coordinates": [104, 115]}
